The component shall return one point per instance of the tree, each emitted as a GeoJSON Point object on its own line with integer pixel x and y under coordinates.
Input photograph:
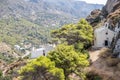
{"type": "Point", "coordinates": [41, 68]}
{"type": "Point", "coordinates": [70, 61]}
{"type": "Point", "coordinates": [73, 34]}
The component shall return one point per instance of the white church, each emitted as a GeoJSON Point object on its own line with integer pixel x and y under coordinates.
{"type": "Point", "coordinates": [103, 36]}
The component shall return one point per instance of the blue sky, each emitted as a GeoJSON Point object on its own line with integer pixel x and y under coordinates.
{"type": "Point", "coordinates": [96, 1]}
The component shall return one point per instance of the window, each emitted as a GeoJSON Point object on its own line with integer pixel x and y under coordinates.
{"type": "Point", "coordinates": [106, 33]}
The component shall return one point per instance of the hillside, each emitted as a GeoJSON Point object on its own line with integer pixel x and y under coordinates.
{"type": "Point", "coordinates": [25, 24]}
{"type": "Point", "coordinates": [18, 17]}
{"type": "Point", "coordinates": [35, 8]}
{"type": "Point", "coordinates": [32, 20]}
{"type": "Point", "coordinates": [14, 31]}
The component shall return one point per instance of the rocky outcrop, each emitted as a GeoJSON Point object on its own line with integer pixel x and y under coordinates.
{"type": "Point", "coordinates": [2, 65]}
{"type": "Point", "coordinates": [108, 8]}
{"type": "Point", "coordinates": [113, 10]}
{"type": "Point", "coordinates": [14, 67]}
{"type": "Point", "coordinates": [94, 17]}
{"type": "Point", "coordinates": [110, 12]}
{"type": "Point", "coordinates": [114, 17]}
{"type": "Point", "coordinates": [4, 48]}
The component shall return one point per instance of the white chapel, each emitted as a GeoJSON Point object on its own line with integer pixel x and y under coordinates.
{"type": "Point", "coordinates": [103, 36]}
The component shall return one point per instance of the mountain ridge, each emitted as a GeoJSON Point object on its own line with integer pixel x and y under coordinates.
{"type": "Point", "coordinates": [44, 5]}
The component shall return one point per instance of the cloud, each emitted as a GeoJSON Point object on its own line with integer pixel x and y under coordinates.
{"type": "Point", "coordinates": [96, 1]}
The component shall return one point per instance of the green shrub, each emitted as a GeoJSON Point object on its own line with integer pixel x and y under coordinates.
{"type": "Point", "coordinates": [69, 60]}
{"type": "Point", "coordinates": [80, 34]}
{"type": "Point", "coordinates": [41, 68]}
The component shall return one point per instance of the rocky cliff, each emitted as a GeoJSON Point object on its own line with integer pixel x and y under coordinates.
{"type": "Point", "coordinates": [95, 17]}
{"type": "Point", "coordinates": [110, 12]}
{"type": "Point", "coordinates": [108, 8]}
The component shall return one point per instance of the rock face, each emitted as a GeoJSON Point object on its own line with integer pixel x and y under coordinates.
{"type": "Point", "coordinates": [112, 9]}
{"type": "Point", "coordinates": [4, 48]}
{"type": "Point", "coordinates": [94, 17]}
{"type": "Point", "coordinates": [117, 47]}
{"type": "Point", "coordinates": [108, 8]}
{"type": "Point", "coordinates": [14, 66]}
{"type": "Point", "coordinates": [110, 12]}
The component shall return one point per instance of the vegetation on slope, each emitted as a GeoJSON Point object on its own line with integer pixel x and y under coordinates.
{"type": "Point", "coordinates": [15, 31]}
{"type": "Point", "coordinates": [58, 65]}
{"type": "Point", "coordinates": [70, 58]}
{"type": "Point", "coordinates": [41, 68]}
{"type": "Point", "coordinates": [4, 77]}
{"type": "Point", "coordinates": [80, 35]}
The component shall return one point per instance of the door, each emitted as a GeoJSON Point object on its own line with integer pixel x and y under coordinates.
{"type": "Point", "coordinates": [106, 42]}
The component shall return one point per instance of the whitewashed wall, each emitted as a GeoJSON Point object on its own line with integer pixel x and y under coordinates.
{"type": "Point", "coordinates": [36, 53]}
{"type": "Point", "coordinates": [39, 52]}
{"type": "Point", "coordinates": [100, 36]}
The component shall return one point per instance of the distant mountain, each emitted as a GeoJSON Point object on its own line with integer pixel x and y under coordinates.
{"type": "Point", "coordinates": [46, 14]}
{"type": "Point", "coordinates": [56, 12]}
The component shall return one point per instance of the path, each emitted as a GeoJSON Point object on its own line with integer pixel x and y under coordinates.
{"type": "Point", "coordinates": [94, 55]}
{"type": "Point", "coordinates": [99, 66]}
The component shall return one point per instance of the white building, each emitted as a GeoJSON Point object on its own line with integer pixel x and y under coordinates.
{"type": "Point", "coordinates": [37, 52]}
{"type": "Point", "coordinates": [17, 47]}
{"type": "Point", "coordinates": [41, 51]}
{"type": "Point", "coordinates": [103, 36]}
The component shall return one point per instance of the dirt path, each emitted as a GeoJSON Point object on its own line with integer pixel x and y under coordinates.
{"type": "Point", "coordinates": [94, 55]}
{"type": "Point", "coordinates": [99, 66]}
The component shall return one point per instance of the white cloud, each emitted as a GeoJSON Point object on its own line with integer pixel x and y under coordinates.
{"type": "Point", "coordinates": [96, 1]}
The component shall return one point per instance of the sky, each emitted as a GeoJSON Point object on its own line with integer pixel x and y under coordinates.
{"type": "Point", "coordinates": [95, 1]}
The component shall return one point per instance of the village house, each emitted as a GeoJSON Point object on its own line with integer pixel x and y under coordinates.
{"type": "Point", "coordinates": [37, 52]}
{"type": "Point", "coordinates": [19, 49]}
{"type": "Point", "coordinates": [103, 36]}
{"type": "Point", "coordinates": [42, 51]}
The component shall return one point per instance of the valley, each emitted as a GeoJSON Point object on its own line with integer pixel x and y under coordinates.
{"type": "Point", "coordinates": [59, 40]}
{"type": "Point", "coordinates": [32, 20]}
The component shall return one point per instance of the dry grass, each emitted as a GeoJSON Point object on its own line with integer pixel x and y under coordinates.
{"type": "Point", "coordinates": [93, 74]}
{"type": "Point", "coordinates": [104, 53]}
{"type": "Point", "coordinates": [112, 61]}
{"type": "Point", "coordinates": [105, 66]}
{"type": "Point", "coordinates": [114, 17]}
{"type": "Point", "coordinates": [118, 66]}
